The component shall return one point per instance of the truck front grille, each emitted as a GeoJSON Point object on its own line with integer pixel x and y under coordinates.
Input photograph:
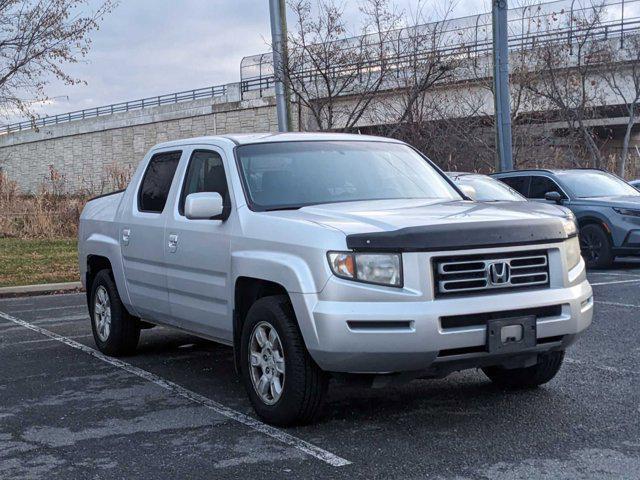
{"type": "Point", "coordinates": [484, 273]}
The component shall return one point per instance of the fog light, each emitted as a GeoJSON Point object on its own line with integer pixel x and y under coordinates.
{"type": "Point", "coordinates": [586, 303]}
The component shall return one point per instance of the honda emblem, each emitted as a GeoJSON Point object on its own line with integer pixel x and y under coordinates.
{"type": "Point", "coordinates": [499, 273]}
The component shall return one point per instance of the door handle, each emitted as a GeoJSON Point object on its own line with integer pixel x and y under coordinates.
{"type": "Point", "coordinates": [126, 235]}
{"type": "Point", "coordinates": [173, 242]}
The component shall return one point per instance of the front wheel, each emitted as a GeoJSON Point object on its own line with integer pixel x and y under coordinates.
{"type": "Point", "coordinates": [595, 246]}
{"type": "Point", "coordinates": [283, 382]}
{"type": "Point", "coordinates": [529, 377]}
{"type": "Point", "coordinates": [115, 332]}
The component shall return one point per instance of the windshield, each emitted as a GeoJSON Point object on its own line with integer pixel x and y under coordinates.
{"type": "Point", "coordinates": [489, 190]}
{"type": "Point", "coordinates": [586, 184]}
{"type": "Point", "coordinates": [295, 174]}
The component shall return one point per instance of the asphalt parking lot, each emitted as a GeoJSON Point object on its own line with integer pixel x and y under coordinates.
{"type": "Point", "coordinates": [177, 409]}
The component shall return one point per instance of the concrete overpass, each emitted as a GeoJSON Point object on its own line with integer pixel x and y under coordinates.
{"type": "Point", "coordinates": [84, 146]}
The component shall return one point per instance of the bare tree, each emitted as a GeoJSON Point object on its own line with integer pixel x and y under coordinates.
{"type": "Point", "coordinates": [623, 78]}
{"type": "Point", "coordinates": [38, 39]}
{"type": "Point", "coordinates": [336, 78]}
{"type": "Point", "coordinates": [425, 54]}
{"type": "Point", "coordinates": [565, 78]}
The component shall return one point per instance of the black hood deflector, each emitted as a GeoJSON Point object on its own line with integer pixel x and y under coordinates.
{"type": "Point", "coordinates": [461, 236]}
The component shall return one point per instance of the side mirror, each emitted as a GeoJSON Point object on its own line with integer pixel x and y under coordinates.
{"type": "Point", "coordinates": [554, 197]}
{"type": "Point", "coordinates": [468, 190]}
{"type": "Point", "coordinates": [203, 206]}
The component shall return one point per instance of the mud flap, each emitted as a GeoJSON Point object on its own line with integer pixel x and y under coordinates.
{"type": "Point", "coordinates": [237, 334]}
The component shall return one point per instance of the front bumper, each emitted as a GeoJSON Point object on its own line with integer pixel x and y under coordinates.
{"type": "Point", "coordinates": [342, 336]}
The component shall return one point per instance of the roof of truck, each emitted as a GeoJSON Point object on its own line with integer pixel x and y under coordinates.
{"type": "Point", "coordinates": [247, 138]}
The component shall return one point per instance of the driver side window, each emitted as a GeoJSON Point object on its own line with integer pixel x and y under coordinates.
{"type": "Point", "coordinates": [541, 186]}
{"type": "Point", "coordinates": [205, 173]}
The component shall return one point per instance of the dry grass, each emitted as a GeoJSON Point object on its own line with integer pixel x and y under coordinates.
{"type": "Point", "coordinates": [51, 213]}
{"type": "Point", "coordinates": [47, 214]}
{"type": "Point", "coordinates": [38, 231]}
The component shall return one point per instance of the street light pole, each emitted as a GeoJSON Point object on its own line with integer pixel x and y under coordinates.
{"type": "Point", "coordinates": [277, 12]}
{"type": "Point", "coordinates": [502, 100]}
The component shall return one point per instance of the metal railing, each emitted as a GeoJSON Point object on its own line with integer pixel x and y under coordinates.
{"type": "Point", "coordinates": [558, 21]}
{"type": "Point", "coordinates": [170, 98]}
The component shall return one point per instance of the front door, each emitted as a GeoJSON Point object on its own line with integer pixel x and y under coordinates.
{"type": "Point", "coordinates": [197, 253]}
{"type": "Point", "coordinates": [540, 186]}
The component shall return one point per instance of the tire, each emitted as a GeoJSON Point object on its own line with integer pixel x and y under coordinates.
{"type": "Point", "coordinates": [119, 336]}
{"type": "Point", "coordinates": [303, 384]}
{"type": "Point", "coordinates": [596, 246]}
{"type": "Point", "coordinates": [530, 377]}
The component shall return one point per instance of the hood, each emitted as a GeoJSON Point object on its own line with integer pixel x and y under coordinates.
{"type": "Point", "coordinates": [626, 201]}
{"type": "Point", "coordinates": [543, 208]}
{"type": "Point", "coordinates": [390, 215]}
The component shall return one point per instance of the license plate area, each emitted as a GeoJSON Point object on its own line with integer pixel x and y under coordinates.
{"type": "Point", "coordinates": [507, 335]}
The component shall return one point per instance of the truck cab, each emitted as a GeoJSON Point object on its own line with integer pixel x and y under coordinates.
{"type": "Point", "coordinates": [320, 255]}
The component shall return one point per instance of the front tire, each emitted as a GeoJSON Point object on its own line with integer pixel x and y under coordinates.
{"type": "Point", "coordinates": [596, 246]}
{"type": "Point", "coordinates": [284, 384]}
{"type": "Point", "coordinates": [529, 377]}
{"type": "Point", "coordinates": [115, 332]}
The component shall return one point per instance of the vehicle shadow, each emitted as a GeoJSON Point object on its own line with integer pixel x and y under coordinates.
{"type": "Point", "coordinates": [626, 263]}
{"type": "Point", "coordinates": [462, 400]}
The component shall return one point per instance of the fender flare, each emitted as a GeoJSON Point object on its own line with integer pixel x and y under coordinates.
{"type": "Point", "coordinates": [105, 246]}
{"type": "Point", "coordinates": [290, 271]}
{"type": "Point", "coordinates": [287, 270]}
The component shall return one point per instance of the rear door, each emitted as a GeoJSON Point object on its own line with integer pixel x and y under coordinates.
{"type": "Point", "coordinates": [142, 237]}
{"type": "Point", "coordinates": [519, 183]}
{"type": "Point", "coordinates": [197, 251]}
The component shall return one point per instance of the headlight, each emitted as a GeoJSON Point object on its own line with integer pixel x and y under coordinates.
{"type": "Point", "coordinates": [627, 211]}
{"type": "Point", "coordinates": [573, 252]}
{"type": "Point", "coordinates": [570, 227]}
{"type": "Point", "coordinates": [378, 268]}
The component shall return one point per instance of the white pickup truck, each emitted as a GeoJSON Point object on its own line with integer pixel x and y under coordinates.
{"type": "Point", "coordinates": [318, 255]}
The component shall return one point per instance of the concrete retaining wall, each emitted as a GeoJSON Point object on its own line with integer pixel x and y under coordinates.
{"type": "Point", "coordinates": [84, 152]}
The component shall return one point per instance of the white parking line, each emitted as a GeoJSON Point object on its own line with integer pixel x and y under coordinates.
{"type": "Point", "coordinates": [42, 340]}
{"type": "Point", "coordinates": [176, 389]}
{"type": "Point", "coordinates": [615, 281]}
{"type": "Point", "coordinates": [16, 329]}
{"type": "Point", "coordinates": [616, 304]}
{"type": "Point", "coordinates": [34, 308]}
{"type": "Point", "coordinates": [64, 318]}
{"type": "Point", "coordinates": [604, 368]}
{"type": "Point", "coordinates": [615, 274]}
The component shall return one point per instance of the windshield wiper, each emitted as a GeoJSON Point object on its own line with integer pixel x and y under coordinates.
{"type": "Point", "coordinates": [277, 209]}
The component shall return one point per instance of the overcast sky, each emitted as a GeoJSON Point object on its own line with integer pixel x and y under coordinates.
{"type": "Point", "coordinates": [150, 47]}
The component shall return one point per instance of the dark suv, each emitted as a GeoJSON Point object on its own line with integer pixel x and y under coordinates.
{"type": "Point", "coordinates": [607, 208]}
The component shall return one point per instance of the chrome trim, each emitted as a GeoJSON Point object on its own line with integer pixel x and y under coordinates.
{"type": "Point", "coordinates": [535, 266]}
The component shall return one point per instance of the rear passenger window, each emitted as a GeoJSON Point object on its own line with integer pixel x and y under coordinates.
{"type": "Point", "coordinates": [204, 174]}
{"type": "Point", "coordinates": [157, 182]}
{"type": "Point", "coordinates": [541, 185]}
{"type": "Point", "coordinates": [520, 184]}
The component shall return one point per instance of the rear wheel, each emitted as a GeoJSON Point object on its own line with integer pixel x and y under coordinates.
{"type": "Point", "coordinates": [529, 377]}
{"type": "Point", "coordinates": [595, 246]}
{"type": "Point", "coordinates": [283, 382]}
{"type": "Point", "coordinates": [115, 332]}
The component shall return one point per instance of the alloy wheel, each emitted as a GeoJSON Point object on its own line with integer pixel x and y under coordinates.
{"type": "Point", "coordinates": [102, 313]}
{"type": "Point", "coordinates": [591, 246]}
{"type": "Point", "coordinates": [266, 363]}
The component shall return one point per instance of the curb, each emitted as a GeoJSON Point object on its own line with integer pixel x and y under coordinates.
{"type": "Point", "coordinates": [42, 289]}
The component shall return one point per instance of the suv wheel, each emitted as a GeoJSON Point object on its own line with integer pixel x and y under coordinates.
{"type": "Point", "coordinates": [530, 377]}
{"type": "Point", "coordinates": [283, 382]}
{"type": "Point", "coordinates": [595, 246]}
{"type": "Point", "coordinates": [115, 332]}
